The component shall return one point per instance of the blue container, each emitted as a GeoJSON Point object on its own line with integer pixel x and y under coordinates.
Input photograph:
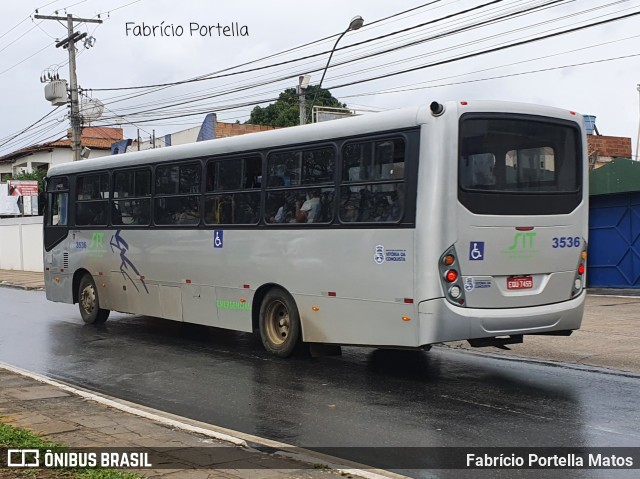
{"type": "Point", "coordinates": [589, 123]}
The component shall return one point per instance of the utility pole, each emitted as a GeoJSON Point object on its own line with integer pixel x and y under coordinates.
{"type": "Point", "coordinates": [69, 43]}
{"type": "Point", "coordinates": [303, 84]}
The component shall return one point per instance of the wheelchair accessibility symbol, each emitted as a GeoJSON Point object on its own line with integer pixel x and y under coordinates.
{"type": "Point", "coordinates": [476, 250]}
{"type": "Point", "coordinates": [218, 238]}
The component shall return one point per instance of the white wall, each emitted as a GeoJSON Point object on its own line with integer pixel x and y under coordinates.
{"type": "Point", "coordinates": [21, 243]}
{"type": "Point", "coordinates": [56, 156]}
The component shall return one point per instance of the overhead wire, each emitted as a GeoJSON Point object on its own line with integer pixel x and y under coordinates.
{"type": "Point", "coordinates": [215, 95]}
{"type": "Point", "coordinates": [487, 51]}
{"type": "Point", "coordinates": [320, 67]}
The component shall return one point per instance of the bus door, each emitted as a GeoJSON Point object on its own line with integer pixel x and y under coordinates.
{"type": "Point", "coordinates": [56, 233]}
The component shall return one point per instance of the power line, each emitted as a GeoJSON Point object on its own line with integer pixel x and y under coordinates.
{"type": "Point", "coordinates": [216, 75]}
{"type": "Point", "coordinates": [484, 52]}
{"type": "Point", "coordinates": [271, 80]}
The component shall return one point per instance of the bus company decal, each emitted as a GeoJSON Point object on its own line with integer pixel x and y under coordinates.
{"type": "Point", "coordinates": [522, 247]}
{"type": "Point", "coordinates": [121, 245]}
{"type": "Point", "coordinates": [469, 284]}
{"type": "Point", "coordinates": [382, 255]}
{"type": "Point", "coordinates": [97, 247]}
{"type": "Point", "coordinates": [222, 304]}
{"type": "Point", "coordinates": [379, 255]}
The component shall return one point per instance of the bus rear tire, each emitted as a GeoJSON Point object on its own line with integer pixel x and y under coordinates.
{"type": "Point", "coordinates": [279, 323]}
{"type": "Point", "coordinates": [89, 302]}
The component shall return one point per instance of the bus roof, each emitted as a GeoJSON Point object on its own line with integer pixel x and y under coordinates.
{"type": "Point", "coordinates": [391, 120]}
{"type": "Point", "coordinates": [330, 130]}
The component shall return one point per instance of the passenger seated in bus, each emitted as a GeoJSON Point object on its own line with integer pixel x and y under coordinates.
{"type": "Point", "coordinates": [309, 211]}
{"type": "Point", "coordinates": [349, 212]}
{"type": "Point", "coordinates": [139, 216]}
{"type": "Point", "coordinates": [397, 204]}
{"type": "Point", "coordinates": [116, 215]}
{"type": "Point", "coordinates": [280, 214]}
{"type": "Point", "coordinates": [187, 217]}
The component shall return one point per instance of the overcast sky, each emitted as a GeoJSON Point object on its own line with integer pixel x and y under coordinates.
{"type": "Point", "coordinates": [605, 87]}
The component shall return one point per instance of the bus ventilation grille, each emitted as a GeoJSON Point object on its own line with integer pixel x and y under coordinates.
{"type": "Point", "coordinates": [65, 260]}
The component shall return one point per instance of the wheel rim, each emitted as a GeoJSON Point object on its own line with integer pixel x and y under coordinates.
{"type": "Point", "coordinates": [88, 299]}
{"type": "Point", "coordinates": [278, 323]}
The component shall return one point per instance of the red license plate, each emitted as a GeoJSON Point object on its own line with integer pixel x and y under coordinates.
{"type": "Point", "coordinates": [520, 282]}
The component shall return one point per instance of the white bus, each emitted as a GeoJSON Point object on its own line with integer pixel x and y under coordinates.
{"type": "Point", "coordinates": [456, 221]}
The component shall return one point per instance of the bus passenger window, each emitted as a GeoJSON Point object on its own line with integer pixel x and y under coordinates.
{"type": "Point", "coordinates": [92, 200]}
{"type": "Point", "coordinates": [373, 182]}
{"type": "Point", "coordinates": [132, 197]}
{"type": "Point", "coordinates": [58, 211]}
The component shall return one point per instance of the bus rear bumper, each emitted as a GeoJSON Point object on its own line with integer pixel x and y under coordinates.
{"type": "Point", "coordinates": [440, 321]}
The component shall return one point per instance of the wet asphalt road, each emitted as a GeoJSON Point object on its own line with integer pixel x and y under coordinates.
{"type": "Point", "coordinates": [363, 398]}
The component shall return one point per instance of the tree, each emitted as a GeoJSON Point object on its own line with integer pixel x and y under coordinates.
{"type": "Point", "coordinates": [286, 110]}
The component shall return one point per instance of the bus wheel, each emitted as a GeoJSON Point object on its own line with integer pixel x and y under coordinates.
{"type": "Point", "coordinates": [279, 323]}
{"type": "Point", "coordinates": [89, 302]}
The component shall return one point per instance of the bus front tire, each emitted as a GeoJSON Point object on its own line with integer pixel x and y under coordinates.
{"type": "Point", "coordinates": [89, 302]}
{"type": "Point", "coordinates": [279, 323]}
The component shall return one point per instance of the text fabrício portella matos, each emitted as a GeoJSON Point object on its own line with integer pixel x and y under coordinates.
{"type": "Point", "coordinates": [194, 29]}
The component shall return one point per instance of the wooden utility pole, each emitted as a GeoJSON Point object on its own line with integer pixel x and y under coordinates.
{"type": "Point", "coordinates": [69, 43]}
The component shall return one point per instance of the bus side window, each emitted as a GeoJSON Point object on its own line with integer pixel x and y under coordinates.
{"type": "Point", "coordinates": [373, 175]}
{"type": "Point", "coordinates": [92, 200]}
{"type": "Point", "coordinates": [58, 204]}
{"type": "Point", "coordinates": [177, 200]}
{"type": "Point", "coordinates": [300, 186]}
{"type": "Point", "coordinates": [232, 196]}
{"type": "Point", "coordinates": [131, 203]}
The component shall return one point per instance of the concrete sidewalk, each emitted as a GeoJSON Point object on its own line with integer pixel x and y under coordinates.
{"type": "Point", "coordinates": [21, 279]}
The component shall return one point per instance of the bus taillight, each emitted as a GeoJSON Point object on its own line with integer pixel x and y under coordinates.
{"type": "Point", "coordinates": [451, 275]}
{"type": "Point", "coordinates": [579, 281]}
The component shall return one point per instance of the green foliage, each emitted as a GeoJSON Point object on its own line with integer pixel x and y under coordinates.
{"type": "Point", "coordinates": [13, 437]}
{"type": "Point", "coordinates": [286, 110]}
{"type": "Point", "coordinates": [20, 438]}
{"type": "Point", "coordinates": [36, 175]}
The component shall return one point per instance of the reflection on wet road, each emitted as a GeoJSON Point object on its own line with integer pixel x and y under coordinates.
{"type": "Point", "coordinates": [364, 398]}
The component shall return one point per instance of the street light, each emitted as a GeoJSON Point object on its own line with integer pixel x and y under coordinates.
{"type": "Point", "coordinates": [355, 24]}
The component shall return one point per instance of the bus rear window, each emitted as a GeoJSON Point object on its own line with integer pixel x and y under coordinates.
{"type": "Point", "coordinates": [519, 165]}
{"type": "Point", "coordinates": [518, 155]}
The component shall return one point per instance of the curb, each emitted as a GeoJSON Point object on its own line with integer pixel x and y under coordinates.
{"type": "Point", "coordinates": [7, 284]}
{"type": "Point", "coordinates": [236, 438]}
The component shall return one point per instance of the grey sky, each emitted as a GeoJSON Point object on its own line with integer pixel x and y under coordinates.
{"type": "Point", "coordinates": [606, 89]}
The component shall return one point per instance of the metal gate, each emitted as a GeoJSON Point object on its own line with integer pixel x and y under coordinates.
{"type": "Point", "coordinates": [614, 241]}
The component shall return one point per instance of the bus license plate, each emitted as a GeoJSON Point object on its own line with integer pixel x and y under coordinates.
{"type": "Point", "coordinates": [520, 282]}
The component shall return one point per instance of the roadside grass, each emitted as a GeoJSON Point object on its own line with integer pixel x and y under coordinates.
{"type": "Point", "coordinates": [17, 438]}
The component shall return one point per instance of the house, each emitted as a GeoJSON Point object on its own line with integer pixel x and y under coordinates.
{"type": "Point", "coordinates": [210, 129]}
{"type": "Point", "coordinates": [603, 149]}
{"type": "Point", "coordinates": [97, 140]}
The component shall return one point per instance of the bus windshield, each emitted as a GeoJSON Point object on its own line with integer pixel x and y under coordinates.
{"type": "Point", "coordinates": [518, 155]}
